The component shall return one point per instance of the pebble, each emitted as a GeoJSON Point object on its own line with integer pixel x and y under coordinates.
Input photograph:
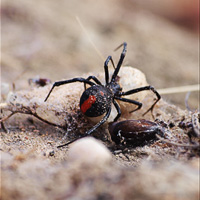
{"type": "Point", "coordinates": [89, 151]}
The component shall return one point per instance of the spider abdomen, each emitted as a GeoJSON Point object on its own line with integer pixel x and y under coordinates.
{"type": "Point", "coordinates": [95, 101]}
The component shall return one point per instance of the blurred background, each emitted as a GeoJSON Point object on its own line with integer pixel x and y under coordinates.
{"type": "Point", "coordinates": [44, 38]}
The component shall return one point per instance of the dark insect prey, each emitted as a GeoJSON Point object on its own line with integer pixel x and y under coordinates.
{"type": "Point", "coordinates": [135, 132]}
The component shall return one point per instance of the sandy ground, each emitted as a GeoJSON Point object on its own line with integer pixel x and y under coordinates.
{"type": "Point", "coordinates": [44, 38]}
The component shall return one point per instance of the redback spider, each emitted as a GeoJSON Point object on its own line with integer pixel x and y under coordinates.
{"type": "Point", "coordinates": [97, 99]}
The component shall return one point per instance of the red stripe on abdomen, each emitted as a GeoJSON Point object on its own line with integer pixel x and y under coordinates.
{"type": "Point", "coordinates": [88, 103]}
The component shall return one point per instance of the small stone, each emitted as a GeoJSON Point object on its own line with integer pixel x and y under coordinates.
{"type": "Point", "coordinates": [89, 151]}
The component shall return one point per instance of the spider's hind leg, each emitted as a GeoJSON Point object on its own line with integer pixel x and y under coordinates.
{"type": "Point", "coordinates": [59, 83]}
{"type": "Point", "coordinates": [94, 78]}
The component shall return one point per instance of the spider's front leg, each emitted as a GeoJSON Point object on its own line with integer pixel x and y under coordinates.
{"type": "Point", "coordinates": [123, 54]}
{"type": "Point", "coordinates": [106, 68]}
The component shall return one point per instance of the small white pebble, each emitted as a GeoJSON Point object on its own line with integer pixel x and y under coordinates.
{"type": "Point", "coordinates": [89, 151]}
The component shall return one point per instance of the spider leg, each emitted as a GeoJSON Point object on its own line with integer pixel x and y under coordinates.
{"type": "Point", "coordinates": [99, 123]}
{"type": "Point", "coordinates": [94, 78]}
{"type": "Point", "coordinates": [106, 68]}
{"type": "Point", "coordinates": [118, 110]}
{"type": "Point", "coordinates": [66, 144]}
{"type": "Point", "coordinates": [106, 72]}
{"type": "Point", "coordinates": [142, 89]}
{"type": "Point", "coordinates": [59, 83]}
{"type": "Point", "coordinates": [120, 61]}
{"type": "Point", "coordinates": [130, 101]}
{"type": "Point", "coordinates": [91, 130]}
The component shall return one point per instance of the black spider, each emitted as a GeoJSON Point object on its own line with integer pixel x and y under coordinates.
{"type": "Point", "coordinates": [97, 99]}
